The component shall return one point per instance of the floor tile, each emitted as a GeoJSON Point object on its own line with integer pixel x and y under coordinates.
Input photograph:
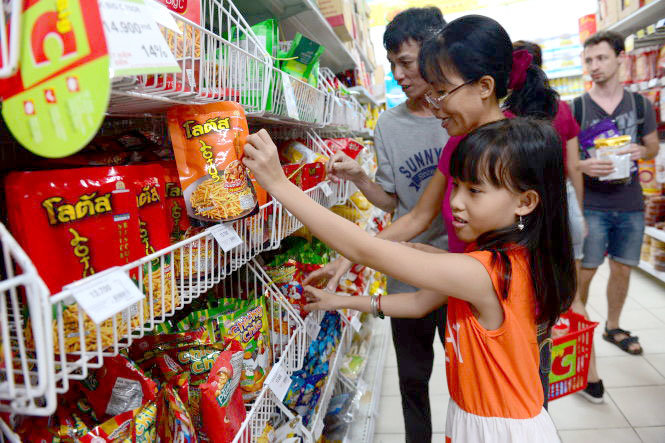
{"type": "Point", "coordinates": [657, 361]}
{"type": "Point", "coordinates": [574, 412]}
{"type": "Point", "coordinates": [391, 420]}
{"type": "Point", "coordinates": [647, 291]}
{"type": "Point", "coordinates": [652, 340]}
{"type": "Point", "coordinates": [439, 404]}
{"type": "Point", "coordinates": [618, 435]}
{"type": "Point", "coordinates": [659, 313]}
{"type": "Point", "coordinates": [628, 371]}
{"type": "Point", "coordinates": [638, 319]}
{"type": "Point", "coordinates": [603, 348]}
{"type": "Point", "coordinates": [389, 438]}
{"type": "Point", "coordinates": [642, 406]}
{"type": "Point", "coordinates": [652, 434]}
{"type": "Point", "coordinates": [390, 386]}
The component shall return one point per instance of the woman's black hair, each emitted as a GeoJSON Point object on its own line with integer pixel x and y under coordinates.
{"type": "Point", "coordinates": [523, 154]}
{"type": "Point", "coordinates": [475, 46]}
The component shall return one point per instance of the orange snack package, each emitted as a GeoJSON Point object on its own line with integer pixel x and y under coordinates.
{"type": "Point", "coordinates": [208, 141]}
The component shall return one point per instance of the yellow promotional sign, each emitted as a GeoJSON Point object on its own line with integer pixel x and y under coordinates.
{"type": "Point", "coordinates": [383, 11]}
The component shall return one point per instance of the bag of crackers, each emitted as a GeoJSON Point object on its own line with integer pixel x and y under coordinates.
{"type": "Point", "coordinates": [208, 141]}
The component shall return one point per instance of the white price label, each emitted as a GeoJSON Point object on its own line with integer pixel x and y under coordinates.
{"type": "Point", "coordinates": [361, 386]}
{"type": "Point", "coordinates": [312, 327]}
{"type": "Point", "coordinates": [135, 44]}
{"type": "Point", "coordinates": [355, 323]}
{"type": "Point", "coordinates": [318, 429]}
{"type": "Point", "coordinates": [653, 82]}
{"type": "Point", "coordinates": [226, 236]}
{"type": "Point", "coordinates": [107, 295]}
{"type": "Point", "coordinates": [325, 187]}
{"type": "Point", "coordinates": [278, 381]}
{"type": "Point", "coordinates": [289, 97]}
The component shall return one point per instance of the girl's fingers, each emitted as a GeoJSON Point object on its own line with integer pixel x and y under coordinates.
{"type": "Point", "coordinates": [264, 136]}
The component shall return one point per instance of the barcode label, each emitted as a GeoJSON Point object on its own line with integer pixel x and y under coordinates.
{"type": "Point", "coordinates": [312, 327]}
{"type": "Point", "coordinates": [278, 381]}
{"type": "Point", "coordinates": [355, 323]}
{"type": "Point", "coordinates": [107, 295]}
{"type": "Point", "coordinates": [126, 396]}
{"type": "Point", "coordinates": [325, 187]}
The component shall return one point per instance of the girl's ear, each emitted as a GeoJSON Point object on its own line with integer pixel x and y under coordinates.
{"type": "Point", "coordinates": [528, 201]}
{"type": "Point", "coordinates": [487, 86]}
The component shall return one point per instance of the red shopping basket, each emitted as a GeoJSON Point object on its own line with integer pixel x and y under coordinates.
{"type": "Point", "coordinates": [571, 354]}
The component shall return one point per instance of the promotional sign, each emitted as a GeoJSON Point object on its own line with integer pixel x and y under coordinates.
{"type": "Point", "coordinates": [56, 101]}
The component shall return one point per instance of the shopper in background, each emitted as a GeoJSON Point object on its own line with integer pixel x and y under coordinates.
{"type": "Point", "coordinates": [470, 67]}
{"type": "Point", "coordinates": [614, 211]}
{"type": "Point", "coordinates": [408, 140]}
{"type": "Point", "coordinates": [508, 202]}
{"type": "Point", "coordinates": [568, 129]}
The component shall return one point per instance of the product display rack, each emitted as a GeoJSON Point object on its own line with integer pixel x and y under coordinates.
{"type": "Point", "coordinates": [220, 60]}
{"type": "Point", "coordinates": [643, 17]}
{"type": "Point", "coordinates": [647, 267]}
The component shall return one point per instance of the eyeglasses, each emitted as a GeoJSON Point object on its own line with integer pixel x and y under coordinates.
{"type": "Point", "coordinates": [435, 101]}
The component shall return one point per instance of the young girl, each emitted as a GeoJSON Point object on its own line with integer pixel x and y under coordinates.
{"type": "Point", "coordinates": [507, 202]}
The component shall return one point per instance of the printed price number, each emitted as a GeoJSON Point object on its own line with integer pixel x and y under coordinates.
{"type": "Point", "coordinates": [312, 327]}
{"type": "Point", "coordinates": [107, 295]}
{"type": "Point", "coordinates": [126, 27]}
{"type": "Point", "coordinates": [155, 51]}
{"type": "Point", "coordinates": [278, 381]}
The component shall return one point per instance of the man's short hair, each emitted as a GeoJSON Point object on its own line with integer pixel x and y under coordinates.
{"type": "Point", "coordinates": [414, 23]}
{"type": "Point", "coordinates": [612, 38]}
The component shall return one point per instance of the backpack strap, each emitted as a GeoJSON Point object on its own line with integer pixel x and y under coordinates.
{"type": "Point", "coordinates": [578, 109]}
{"type": "Point", "coordinates": [638, 102]}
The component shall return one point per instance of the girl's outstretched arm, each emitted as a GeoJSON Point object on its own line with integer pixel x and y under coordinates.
{"type": "Point", "coordinates": [453, 275]}
{"type": "Point", "coordinates": [407, 305]}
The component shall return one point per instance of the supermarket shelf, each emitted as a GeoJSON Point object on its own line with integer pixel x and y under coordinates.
{"type": "Point", "coordinates": [302, 16]}
{"type": "Point", "coordinates": [649, 269]}
{"type": "Point", "coordinates": [658, 234]}
{"type": "Point", "coordinates": [363, 95]}
{"type": "Point", "coordinates": [368, 63]}
{"type": "Point", "coordinates": [362, 429]}
{"type": "Point", "coordinates": [643, 17]}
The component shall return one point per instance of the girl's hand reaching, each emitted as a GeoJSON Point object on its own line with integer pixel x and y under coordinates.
{"type": "Point", "coordinates": [262, 159]}
{"type": "Point", "coordinates": [319, 300]}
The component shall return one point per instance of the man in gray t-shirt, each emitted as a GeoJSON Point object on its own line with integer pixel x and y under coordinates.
{"type": "Point", "coordinates": [409, 141]}
{"type": "Point", "coordinates": [614, 211]}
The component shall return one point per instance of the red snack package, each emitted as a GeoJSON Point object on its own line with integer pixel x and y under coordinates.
{"type": "Point", "coordinates": [117, 387]}
{"type": "Point", "coordinates": [312, 175]}
{"type": "Point", "coordinates": [86, 217]}
{"type": "Point", "coordinates": [176, 211]}
{"type": "Point", "coordinates": [116, 429]}
{"type": "Point", "coordinates": [222, 405]}
{"type": "Point", "coordinates": [150, 346]}
{"type": "Point", "coordinates": [350, 147]}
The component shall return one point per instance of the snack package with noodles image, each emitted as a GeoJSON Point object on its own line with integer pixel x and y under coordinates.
{"type": "Point", "coordinates": [208, 141]}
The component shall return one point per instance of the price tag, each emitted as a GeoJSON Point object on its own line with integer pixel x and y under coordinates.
{"type": "Point", "coordinates": [651, 29]}
{"type": "Point", "coordinates": [362, 385]}
{"type": "Point", "coordinates": [325, 187]}
{"type": "Point", "coordinates": [318, 429]}
{"type": "Point", "coordinates": [226, 236]}
{"type": "Point", "coordinates": [653, 83]}
{"type": "Point", "coordinates": [278, 381]}
{"type": "Point", "coordinates": [312, 327]}
{"type": "Point", "coordinates": [355, 323]}
{"type": "Point", "coordinates": [136, 45]}
{"type": "Point", "coordinates": [107, 295]}
{"type": "Point", "coordinates": [289, 97]}
{"type": "Point", "coordinates": [640, 33]}
{"type": "Point", "coordinates": [162, 16]}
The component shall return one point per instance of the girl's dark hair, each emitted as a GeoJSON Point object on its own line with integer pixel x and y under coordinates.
{"type": "Point", "coordinates": [533, 48]}
{"type": "Point", "coordinates": [475, 46]}
{"type": "Point", "coordinates": [522, 154]}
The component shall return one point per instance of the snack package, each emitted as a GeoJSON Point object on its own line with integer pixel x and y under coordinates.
{"type": "Point", "coordinates": [611, 149]}
{"type": "Point", "coordinates": [144, 425]}
{"type": "Point", "coordinates": [117, 387]}
{"type": "Point", "coordinates": [306, 175]}
{"type": "Point", "coordinates": [603, 129]}
{"type": "Point", "coordinates": [295, 151]}
{"type": "Point", "coordinates": [173, 421]}
{"type": "Point", "coordinates": [208, 141]}
{"type": "Point", "coordinates": [150, 346]}
{"type": "Point", "coordinates": [222, 406]}
{"type": "Point", "coordinates": [85, 217]}
{"type": "Point", "coordinates": [348, 145]}
{"type": "Point", "coordinates": [249, 326]}
{"type": "Point", "coordinates": [284, 278]}
{"type": "Point", "coordinates": [302, 57]}
{"type": "Point", "coordinates": [178, 222]}
{"type": "Point", "coordinates": [114, 430]}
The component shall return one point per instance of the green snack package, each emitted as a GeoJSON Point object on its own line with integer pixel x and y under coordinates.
{"type": "Point", "coordinates": [305, 54]}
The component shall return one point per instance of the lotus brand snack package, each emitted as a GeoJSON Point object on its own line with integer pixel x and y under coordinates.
{"type": "Point", "coordinates": [208, 141]}
{"type": "Point", "coordinates": [176, 212]}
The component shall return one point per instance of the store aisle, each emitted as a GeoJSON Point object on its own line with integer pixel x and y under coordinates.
{"type": "Point", "coordinates": [635, 385]}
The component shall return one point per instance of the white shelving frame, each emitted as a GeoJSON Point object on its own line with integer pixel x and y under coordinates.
{"type": "Point", "coordinates": [647, 267]}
